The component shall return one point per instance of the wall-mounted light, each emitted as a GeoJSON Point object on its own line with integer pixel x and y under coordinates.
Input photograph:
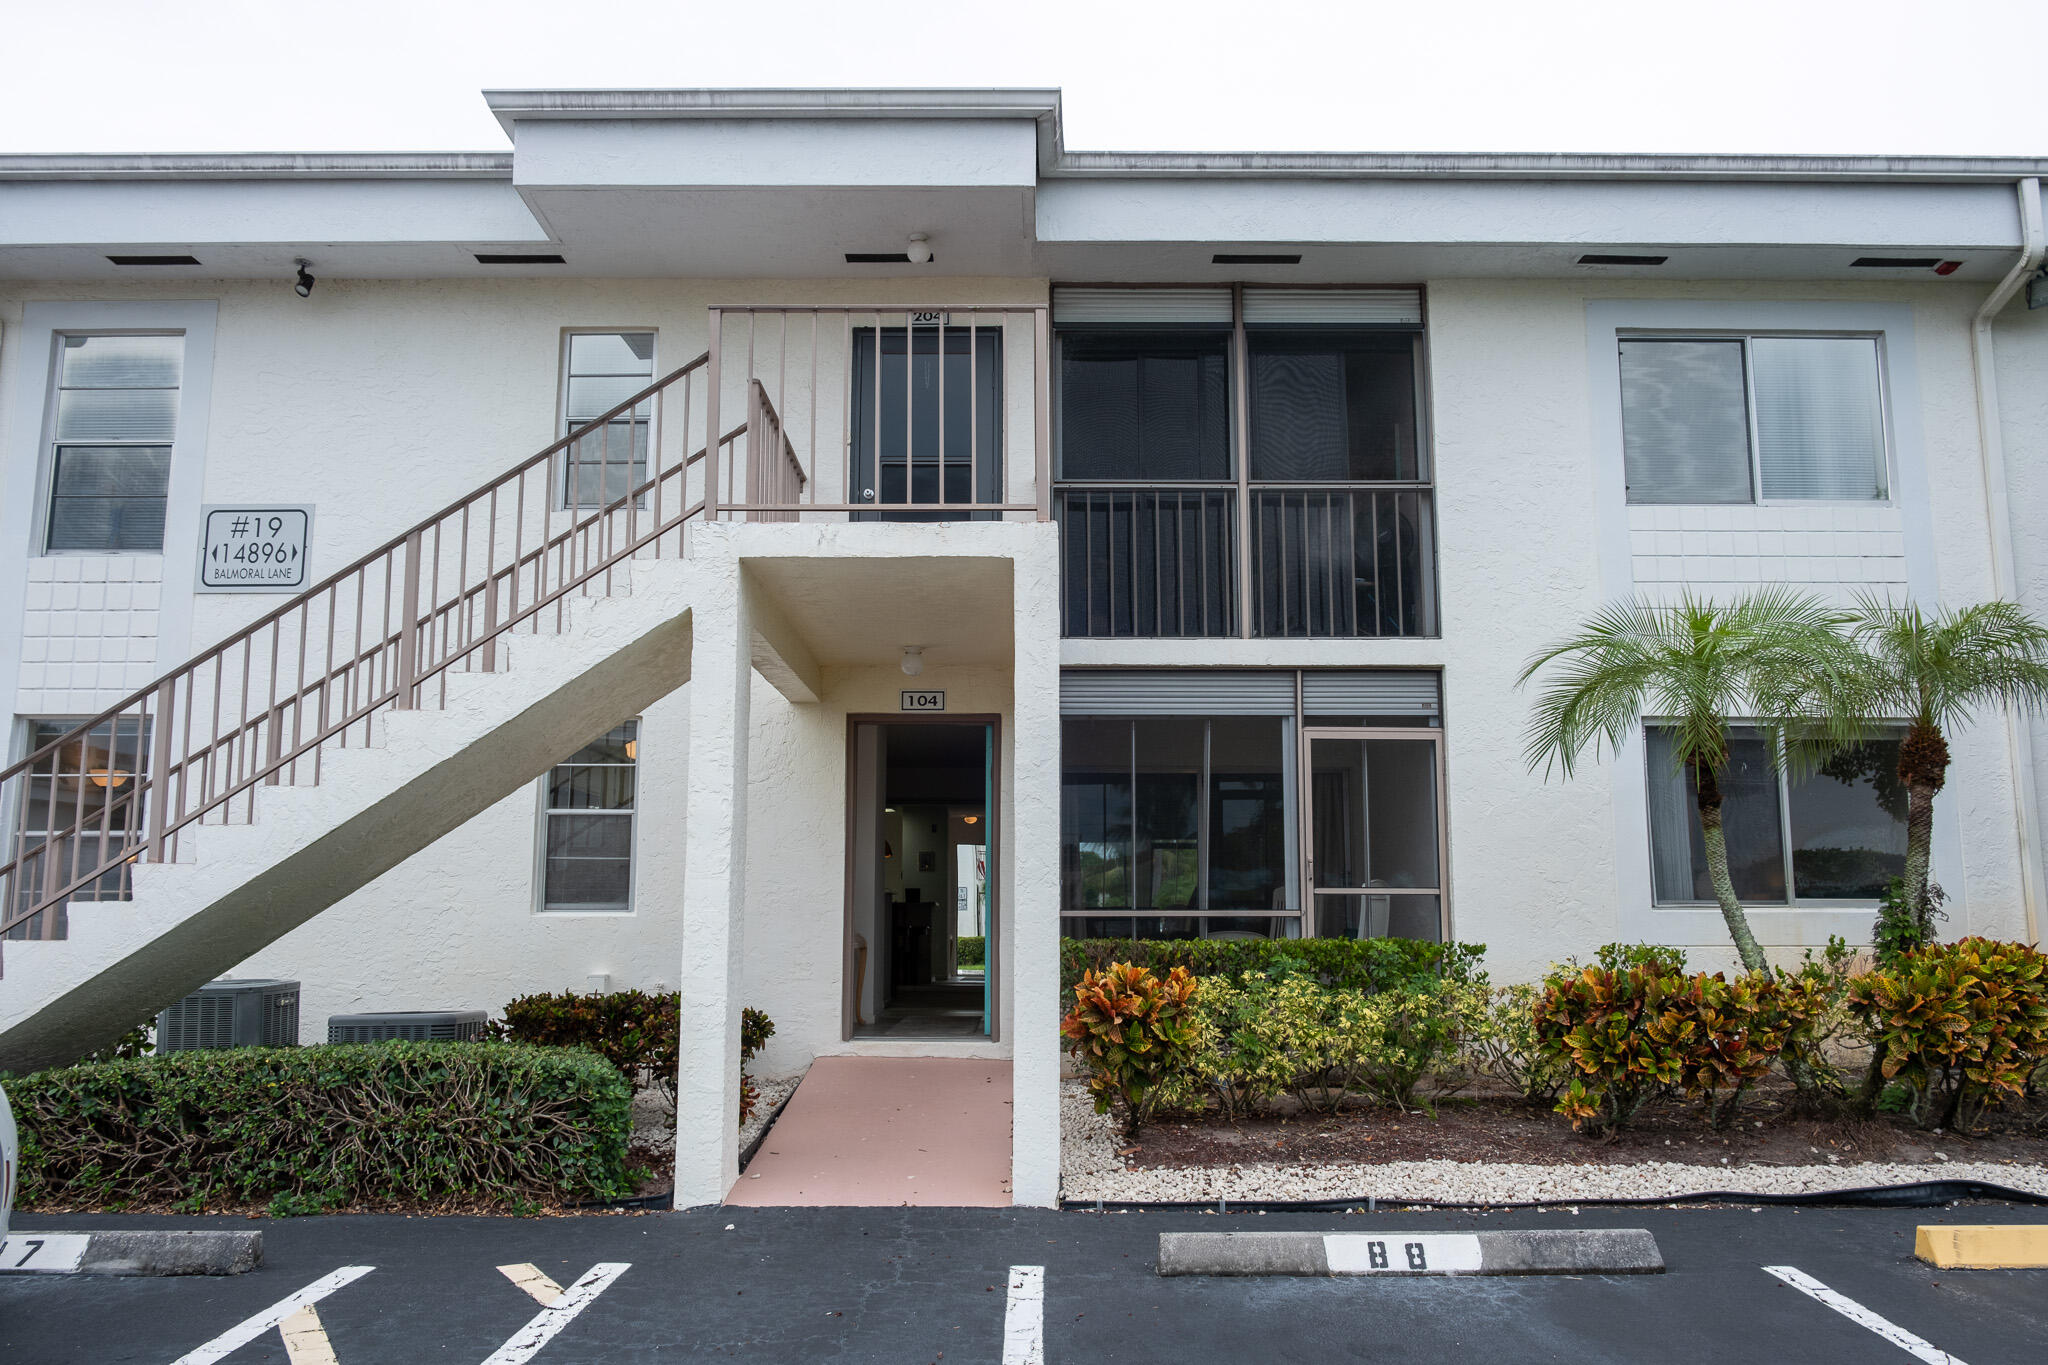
{"type": "Point", "coordinates": [920, 249]}
{"type": "Point", "coordinates": [913, 660]}
{"type": "Point", "coordinates": [970, 819]}
{"type": "Point", "coordinates": [304, 285]}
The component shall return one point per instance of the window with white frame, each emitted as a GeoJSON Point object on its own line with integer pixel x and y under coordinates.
{"type": "Point", "coordinates": [600, 371]}
{"type": "Point", "coordinates": [114, 416]}
{"type": "Point", "coordinates": [1838, 833]}
{"type": "Point", "coordinates": [588, 818]}
{"type": "Point", "coordinates": [1735, 419]}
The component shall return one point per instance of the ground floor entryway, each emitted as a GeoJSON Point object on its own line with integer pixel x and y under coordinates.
{"type": "Point", "coordinates": [921, 907]}
{"type": "Point", "coordinates": [888, 1131]}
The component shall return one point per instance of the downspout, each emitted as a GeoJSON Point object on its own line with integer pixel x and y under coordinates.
{"type": "Point", "coordinates": [1998, 509]}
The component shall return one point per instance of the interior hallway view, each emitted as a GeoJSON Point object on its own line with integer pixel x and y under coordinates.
{"type": "Point", "coordinates": [922, 877]}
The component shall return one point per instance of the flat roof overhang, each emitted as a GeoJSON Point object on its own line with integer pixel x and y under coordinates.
{"type": "Point", "coordinates": [783, 183]}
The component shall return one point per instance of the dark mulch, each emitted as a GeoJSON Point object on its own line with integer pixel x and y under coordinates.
{"type": "Point", "coordinates": [1496, 1128]}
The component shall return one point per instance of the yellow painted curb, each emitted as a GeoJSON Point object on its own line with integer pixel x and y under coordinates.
{"type": "Point", "coordinates": [1984, 1246]}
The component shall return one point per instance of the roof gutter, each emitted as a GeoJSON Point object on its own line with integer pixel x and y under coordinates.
{"type": "Point", "coordinates": [1998, 511]}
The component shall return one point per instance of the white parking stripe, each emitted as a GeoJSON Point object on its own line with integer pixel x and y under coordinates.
{"type": "Point", "coordinates": [242, 1333]}
{"type": "Point", "coordinates": [305, 1338]}
{"type": "Point", "coordinates": [545, 1291]}
{"type": "Point", "coordinates": [1024, 1318]}
{"type": "Point", "coordinates": [1862, 1317]}
{"type": "Point", "coordinates": [527, 1341]}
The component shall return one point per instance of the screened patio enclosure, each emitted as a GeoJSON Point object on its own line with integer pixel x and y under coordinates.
{"type": "Point", "coordinates": [1269, 803]}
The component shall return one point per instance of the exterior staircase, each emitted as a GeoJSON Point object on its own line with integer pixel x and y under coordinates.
{"type": "Point", "coordinates": [158, 844]}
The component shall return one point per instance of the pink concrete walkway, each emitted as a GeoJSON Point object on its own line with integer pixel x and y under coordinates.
{"type": "Point", "coordinates": [888, 1131]}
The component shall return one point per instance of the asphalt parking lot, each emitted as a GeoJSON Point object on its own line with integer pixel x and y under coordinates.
{"type": "Point", "coordinates": [936, 1285]}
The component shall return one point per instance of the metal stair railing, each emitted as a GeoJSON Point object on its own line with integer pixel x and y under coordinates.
{"type": "Point", "coordinates": [262, 706]}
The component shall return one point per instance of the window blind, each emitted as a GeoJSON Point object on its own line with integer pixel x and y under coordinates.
{"type": "Point", "coordinates": [1246, 692]}
{"type": "Point", "coordinates": [1684, 421]}
{"type": "Point", "coordinates": [1084, 304]}
{"type": "Point", "coordinates": [1819, 420]}
{"type": "Point", "coordinates": [1353, 307]}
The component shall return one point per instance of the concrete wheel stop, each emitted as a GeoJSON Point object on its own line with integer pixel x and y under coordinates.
{"type": "Point", "coordinates": [228, 1252]}
{"type": "Point", "coordinates": [1565, 1251]}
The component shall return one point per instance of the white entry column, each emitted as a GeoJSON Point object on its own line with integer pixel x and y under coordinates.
{"type": "Point", "coordinates": [1030, 923]}
{"type": "Point", "coordinates": [714, 877]}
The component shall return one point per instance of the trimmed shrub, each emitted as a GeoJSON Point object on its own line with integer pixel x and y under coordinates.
{"type": "Point", "coordinates": [1955, 1027]}
{"type": "Point", "coordinates": [306, 1129]}
{"type": "Point", "coordinates": [1242, 1046]}
{"type": "Point", "coordinates": [1132, 1030]}
{"type": "Point", "coordinates": [972, 950]}
{"type": "Point", "coordinates": [1504, 1045]}
{"type": "Point", "coordinates": [1628, 1036]}
{"type": "Point", "coordinates": [636, 1032]}
{"type": "Point", "coordinates": [1256, 1038]}
{"type": "Point", "coordinates": [1375, 964]}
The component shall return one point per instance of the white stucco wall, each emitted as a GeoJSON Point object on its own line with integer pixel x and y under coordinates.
{"type": "Point", "coordinates": [378, 402]}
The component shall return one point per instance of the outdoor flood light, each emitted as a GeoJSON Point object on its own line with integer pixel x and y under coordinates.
{"type": "Point", "coordinates": [913, 660]}
{"type": "Point", "coordinates": [304, 287]}
{"type": "Point", "coordinates": [920, 249]}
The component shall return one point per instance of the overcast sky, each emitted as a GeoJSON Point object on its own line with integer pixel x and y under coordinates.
{"type": "Point", "coordinates": [1861, 76]}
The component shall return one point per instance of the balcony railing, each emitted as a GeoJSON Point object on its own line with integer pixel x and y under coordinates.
{"type": "Point", "coordinates": [1156, 562]}
{"type": "Point", "coordinates": [1163, 562]}
{"type": "Point", "coordinates": [882, 413]}
{"type": "Point", "coordinates": [1343, 562]}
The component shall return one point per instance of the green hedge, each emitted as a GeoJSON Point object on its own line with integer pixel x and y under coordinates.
{"type": "Point", "coordinates": [973, 951]}
{"type": "Point", "coordinates": [1376, 964]}
{"type": "Point", "coordinates": [444, 1125]}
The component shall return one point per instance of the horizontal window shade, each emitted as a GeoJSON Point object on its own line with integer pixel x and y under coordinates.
{"type": "Point", "coordinates": [1177, 692]}
{"type": "Point", "coordinates": [115, 362]}
{"type": "Point", "coordinates": [1245, 692]}
{"type": "Point", "coordinates": [1081, 305]}
{"type": "Point", "coordinates": [1356, 307]}
{"type": "Point", "coordinates": [1820, 424]}
{"type": "Point", "coordinates": [611, 352]}
{"type": "Point", "coordinates": [117, 414]}
{"type": "Point", "coordinates": [1369, 693]}
{"type": "Point", "coordinates": [1684, 421]}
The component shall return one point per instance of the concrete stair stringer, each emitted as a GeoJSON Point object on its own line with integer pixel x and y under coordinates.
{"type": "Point", "coordinates": [237, 888]}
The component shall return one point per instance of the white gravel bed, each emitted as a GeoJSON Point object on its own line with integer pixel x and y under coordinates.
{"type": "Point", "coordinates": [773, 1093]}
{"type": "Point", "coordinates": [1090, 1169]}
{"type": "Point", "coordinates": [651, 1118]}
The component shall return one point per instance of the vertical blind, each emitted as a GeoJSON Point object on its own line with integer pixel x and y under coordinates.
{"type": "Point", "coordinates": [1819, 421]}
{"type": "Point", "coordinates": [1686, 413]}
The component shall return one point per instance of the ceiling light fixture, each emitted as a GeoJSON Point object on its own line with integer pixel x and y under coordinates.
{"type": "Point", "coordinates": [913, 660]}
{"type": "Point", "coordinates": [920, 249]}
{"type": "Point", "coordinates": [303, 287]}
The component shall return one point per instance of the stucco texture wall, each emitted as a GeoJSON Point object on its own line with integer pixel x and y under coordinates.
{"type": "Point", "coordinates": [1536, 865]}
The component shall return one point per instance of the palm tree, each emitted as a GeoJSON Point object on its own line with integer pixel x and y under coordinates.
{"type": "Point", "coordinates": [1694, 664]}
{"type": "Point", "coordinates": [1933, 671]}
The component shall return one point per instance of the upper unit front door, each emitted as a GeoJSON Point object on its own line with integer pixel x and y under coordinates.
{"type": "Point", "coordinates": [927, 420]}
{"type": "Point", "coordinates": [1375, 847]}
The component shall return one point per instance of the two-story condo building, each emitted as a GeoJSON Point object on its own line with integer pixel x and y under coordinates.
{"type": "Point", "coordinates": [747, 542]}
